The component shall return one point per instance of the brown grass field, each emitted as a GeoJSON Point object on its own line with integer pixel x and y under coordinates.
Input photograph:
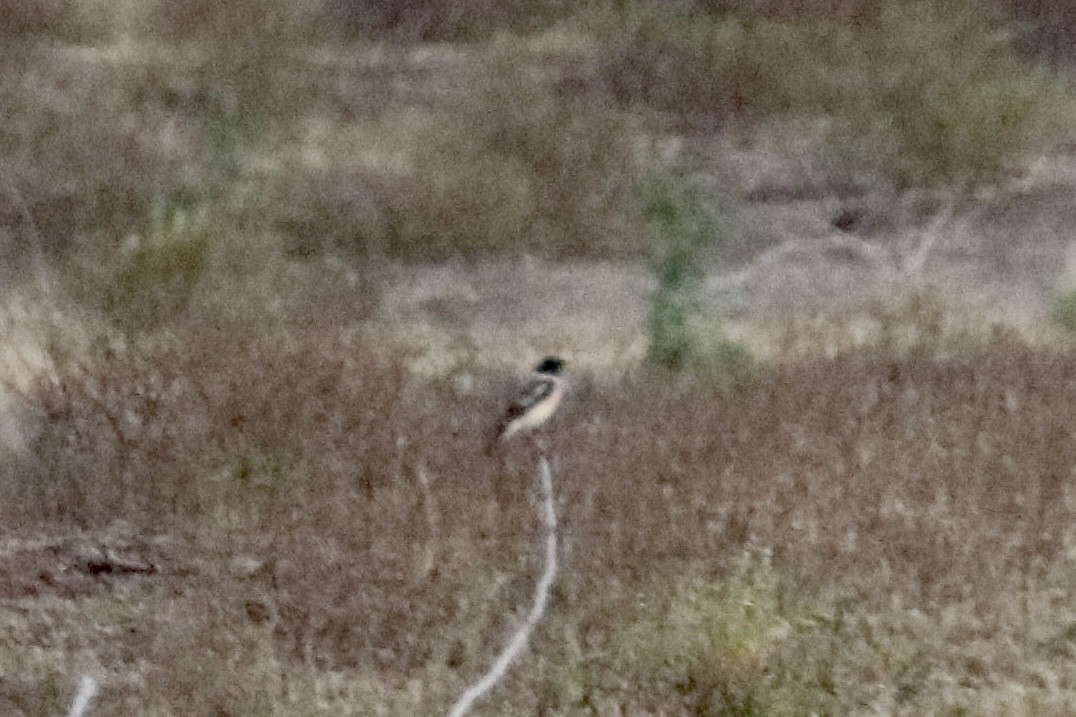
{"type": "Point", "coordinates": [860, 535]}
{"type": "Point", "coordinates": [263, 286]}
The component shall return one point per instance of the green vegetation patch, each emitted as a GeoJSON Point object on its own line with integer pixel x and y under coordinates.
{"type": "Point", "coordinates": [1064, 311]}
{"type": "Point", "coordinates": [684, 227]}
{"type": "Point", "coordinates": [157, 278]}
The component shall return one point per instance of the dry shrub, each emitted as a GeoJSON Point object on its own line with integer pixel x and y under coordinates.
{"type": "Point", "coordinates": [576, 147]}
{"type": "Point", "coordinates": [517, 158]}
{"type": "Point", "coordinates": [92, 138]}
{"type": "Point", "coordinates": [20, 242]}
{"type": "Point", "coordinates": [944, 101]}
{"type": "Point", "coordinates": [113, 435]}
{"type": "Point", "coordinates": [706, 69]}
{"type": "Point", "coordinates": [84, 158]}
{"type": "Point", "coordinates": [28, 17]}
{"type": "Point", "coordinates": [346, 213]}
{"type": "Point", "coordinates": [246, 75]}
{"type": "Point", "coordinates": [239, 20]}
{"type": "Point", "coordinates": [936, 485]}
{"type": "Point", "coordinates": [186, 425]}
{"type": "Point", "coordinates": [300, 451]}
{"type": "Point", "coordinates": [392, 20]}
{"type": "Point", "coordinates": [910, 449]}
{"type": "Point", "coordinates": [1047, 30]}
{"type": "Point", "coordinates": [432, 21]}
{"type": "Point", "coordinates": [465, 201]}
{"type": "Point", "coordinates": [525, 159]}
{"type": "Point", "coordinates": [915, 95]}
{"type": "Point", "coordinates": [867, 472]}
{"type": "Point", "coordinates": [794, 9]}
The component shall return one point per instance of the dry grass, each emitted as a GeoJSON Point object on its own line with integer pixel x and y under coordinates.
{"type": "Point", "coordinates": [914, 511]}
{"type": "Point", "coordinates": [425, 20]}
{"type": "Point", "coordinates": [515, 143]}
{"type": "Point", "coordinates": [220, 512]}
{"type": "Point", "coordinates": [80, 180]}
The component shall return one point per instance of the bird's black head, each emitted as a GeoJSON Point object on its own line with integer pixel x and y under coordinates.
{"type": "Point", "coordinates": [550, 365]}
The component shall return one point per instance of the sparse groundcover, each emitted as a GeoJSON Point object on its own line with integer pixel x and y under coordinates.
{"type": "Point", "coordinates": [707, 645]}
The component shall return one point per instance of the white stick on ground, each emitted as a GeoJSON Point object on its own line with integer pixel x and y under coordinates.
{"type": "Point", "coordinates": [86, 690]}
{"type": "Point", "coordinates": [541, 599]}
{"type": "Point", "coordinates": [433, 536]}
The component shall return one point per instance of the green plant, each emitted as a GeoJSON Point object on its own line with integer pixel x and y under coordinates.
{"type": "Point", "coordinates": [160, 271]}
{"type": "Point", "coordinates": [1064, 311]}
{"type": "Point", "coordinates": [722, 354]}
{"type": "Point", "coordinates": [682, 227]}
{"type": "Point", "coordinates": [261, 472]}
{"type": "Point", "coordinates": [672, 305]}
{"type": "Point", "coordinates": [251, 483]}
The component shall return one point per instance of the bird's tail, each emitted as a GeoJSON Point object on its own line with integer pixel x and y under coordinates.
{"type": "Point", "coordinates": [504, 430]}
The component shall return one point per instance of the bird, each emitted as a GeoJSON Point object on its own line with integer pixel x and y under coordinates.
{"type": "Point", "coordinates": [536, 401]}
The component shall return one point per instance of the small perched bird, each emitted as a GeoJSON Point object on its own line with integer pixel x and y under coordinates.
{"type": "Point", "coordinates": [536, 401]}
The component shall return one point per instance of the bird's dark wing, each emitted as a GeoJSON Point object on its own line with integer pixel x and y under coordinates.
{"type": "Point", "coordinates": [536, 390]}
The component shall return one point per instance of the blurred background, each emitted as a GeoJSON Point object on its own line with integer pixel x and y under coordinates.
{"type": "Point", "coordinates": [356, 161]}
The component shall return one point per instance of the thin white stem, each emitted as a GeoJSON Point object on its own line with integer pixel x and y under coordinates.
{"type": "Point", "coordinates": [541, 600]}
{"type": "Point", "coordinates": [433, 531]}
{"type": "Point", "coordinates": [86, 690]}
{"type": "Point", "coordinates": [942, 221]}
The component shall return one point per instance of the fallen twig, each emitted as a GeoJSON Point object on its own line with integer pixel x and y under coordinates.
{"type": "Point", "coordinates": [541, 600]}
{"type": "Point", "coordinates": [86, 690]}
